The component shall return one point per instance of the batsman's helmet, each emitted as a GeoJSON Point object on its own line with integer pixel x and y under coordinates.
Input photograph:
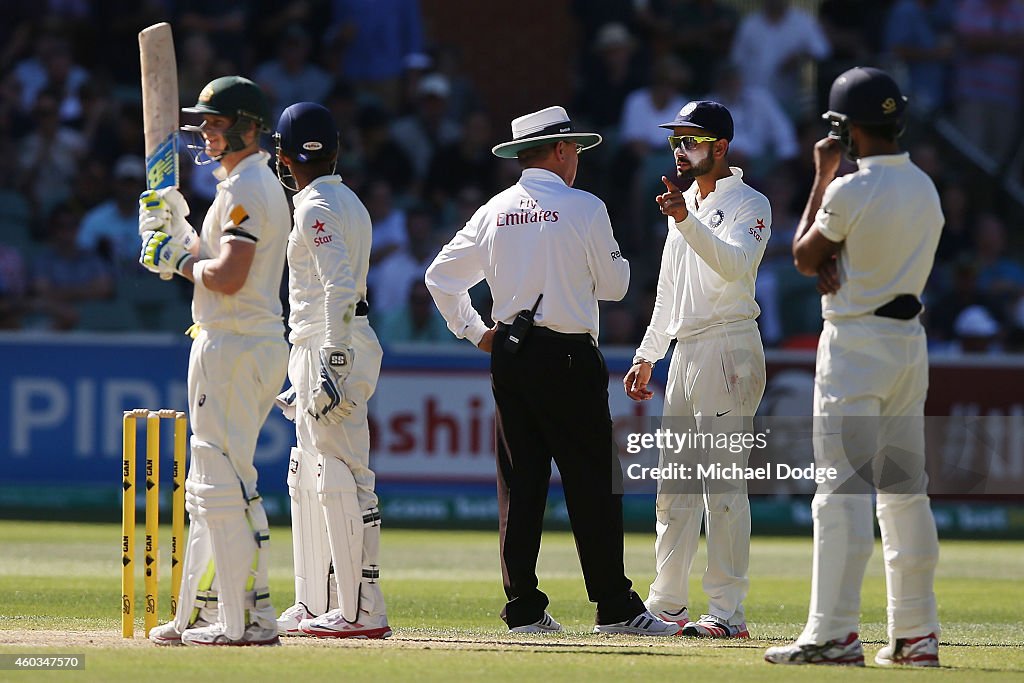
{"type": "Point", "coordinates": [306, 132]}
{"type": "Point", "coordinates": [235, 97]}
{"type": "Point", "coordinates": [863, 95]}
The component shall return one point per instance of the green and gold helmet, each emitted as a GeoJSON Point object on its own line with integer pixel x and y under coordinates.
{"type": "Point", "coordinates": [235, 97]}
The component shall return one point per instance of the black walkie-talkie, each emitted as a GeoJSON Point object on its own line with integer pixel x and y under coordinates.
{"type": "Point", "coordinates": [519, 330]}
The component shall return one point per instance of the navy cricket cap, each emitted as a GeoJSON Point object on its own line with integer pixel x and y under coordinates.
{"type": "Point", "coordinates": [306, 132]}
{"type": "Point", "coordinates": [706, 115]}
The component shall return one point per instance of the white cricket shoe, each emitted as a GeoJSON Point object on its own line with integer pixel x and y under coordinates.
{"type": "Point", "coordinates": [546, 624]}
{"type": "Point", "coordinates": [678, 616]}
{"type": "Point", "coordinates": [921, 651]}
{"type": "Point", "coordinates": [710, 626]}
{"type": "Point", "coordinates": [166, 634]}
{"type": "Point", "coordinates": [254, 634]}
{"type": "Point", "coordinates": [643, 624]}
{"type": "Point", "coordinates": [333, 625]}
{"type": "Point", "coordinates": [846, 652]}
{"type": "Point", "coordinates": [288, 622]}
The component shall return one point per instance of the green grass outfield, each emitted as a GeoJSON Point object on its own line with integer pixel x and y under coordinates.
{"type": "Point", "coordinates": [60, 587]}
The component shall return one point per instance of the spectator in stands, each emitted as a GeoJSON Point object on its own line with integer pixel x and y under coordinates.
{"type": "Point", "coordinates": [700, 33]}
{"type": "Point", "coordinates": [853, 29]}
{"type": "Point", "coordinates": [990, 37]}
{"type": "Point", "coordinates": [619, 325]}
{"type": "Point", "coordinates": [13, 288]}
{"type": "Point", "coordinates": [390, 280]}
{"type": "Point", "coordinates": [370, 40]}
{"type": "Point", "coordinates": [607, 79]}
{"type": "Point", "coordinates": [463, 97]}
{"type": "Point", "coordinates": [112, 228]}
{"type": "Point", "coordinates": [64, 274]}
{"type": "Point", "coordinates": [195, 72]}
{"type": "Point", "coordinates": [388, 222]}
{"type": "Point", "coordinates": [772, 47]}
{"type": "Point", "coordinates": [430, 126]}
{"type": "Point", "coordinates": [415, 321]}
{"type": "Point", "coordinates": [49, 156]}
{"type": "Point", "coordinates": [941, 315]}
{"type": "Point", "coordinates": [1000, 276]}
{"type": "Point", "coordinates": [224, 22]}
{"type": "Point", "coordinates": [467, 161]}
{"type": "Point", "coordinates": [381, 155]}
{"type": "Point", "coordinates": [52, 68]}
{"type": "Point", "coordinates": [918, 34]}
{"type": "Point", "coordinates": [976, 331]}
{"type": "Point", "coordinates": [765, 136]}
{"type": "Point", "coordinates": [291, 77]}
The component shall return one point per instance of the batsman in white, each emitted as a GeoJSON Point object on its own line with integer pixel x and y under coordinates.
{"type": "Point", "coordinates": [870, 236]}
{"type": "Point", "coordinates": [717, 233]}
{"type": "Point", "coordinates": [237, 364]}
{"type": "Point", "coordinates": [333, 368]}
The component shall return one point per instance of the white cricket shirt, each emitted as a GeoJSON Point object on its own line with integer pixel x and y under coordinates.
{"type": "Point", "coordinates": [328, 258]}
{"type": "Point", "coordinates": [250, 205]}
{"type": "Point", "coordinates": [888, 218]}
{"type": "Point", "coordinates": [709, 264]}
{"type": "Point", "coordinates": [538, 236]}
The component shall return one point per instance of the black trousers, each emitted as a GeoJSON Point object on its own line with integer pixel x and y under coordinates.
{"type": "Point", "coordinates": [552, 404]}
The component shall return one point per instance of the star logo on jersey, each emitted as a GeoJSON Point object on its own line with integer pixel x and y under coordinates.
{"type": "Point", "coordinates": [318, 227]}
{"type": "Point", "coordinates": [320, 230]}
{"type": "Point", "coordinates": [760, 224]}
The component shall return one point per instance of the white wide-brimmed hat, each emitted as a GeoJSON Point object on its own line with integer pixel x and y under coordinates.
{"type": "Point", "coordinates": [542, 127]}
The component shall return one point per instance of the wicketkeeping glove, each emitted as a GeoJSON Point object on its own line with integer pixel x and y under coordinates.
{"type": "Point", "coordinates": [161, 254]}
{"type": "Point", "coordinates": [165, 211]}
{"type": "Point", "coordinates": [329, 404]}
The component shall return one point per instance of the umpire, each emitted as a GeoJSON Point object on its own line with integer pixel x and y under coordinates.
{"type": "Point", "coordinates": [548, 254]}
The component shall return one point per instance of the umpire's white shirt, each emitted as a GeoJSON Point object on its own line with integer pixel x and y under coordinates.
{"type": "Point", "coordinates": [538, 236]}
{"type": "Point", "coordinates": [888, 217]}
{"type": "Point", "coordinates": [250, 206]}
{"type": "Point", "coordinates": [709, 264]}
{"type": "Point", "coordinates": [328, 258]}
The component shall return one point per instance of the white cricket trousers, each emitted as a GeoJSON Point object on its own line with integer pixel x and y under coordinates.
{"type": "Point", "coordinates": [715, 383]}
{"type": "Point", "coordinates": [869, 393]}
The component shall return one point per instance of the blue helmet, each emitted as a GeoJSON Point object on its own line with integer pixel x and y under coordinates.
{"type": "Point", "coordinates": [307, 132]}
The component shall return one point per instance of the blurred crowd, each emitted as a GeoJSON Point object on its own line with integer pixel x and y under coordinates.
{"type": "Point", "coordinates": [417, 133]}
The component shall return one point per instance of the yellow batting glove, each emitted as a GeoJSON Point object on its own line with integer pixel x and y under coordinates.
{"type": "Point", "coordinates": [162, 254]}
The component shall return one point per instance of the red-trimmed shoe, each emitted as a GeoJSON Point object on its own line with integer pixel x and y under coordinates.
{"type": "Point", "coordinates": [710, 626]}
{"type": "Point", "coordinates": [920, 651]}
{"type": "Point", "coordinates": [254, 634]}
{"type": "Point", "coordinates": [680, 616]}
{"type": "Point", "coordinates": [333, 625]}
{"type": "Point", "coordinates": [846, 652]}
{"type": "Point", "coordinates": [288, 622]}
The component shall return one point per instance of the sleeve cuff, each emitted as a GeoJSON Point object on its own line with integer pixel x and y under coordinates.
{"type": "Point", "coordinates": [475, 332]}
{"type": "Point", "coordinates": [687, 224]}
{"type": "Point", "coordinates": [828, 234]}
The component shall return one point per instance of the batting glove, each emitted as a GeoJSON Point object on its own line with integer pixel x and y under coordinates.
{"type": "Point", "coordinates": [165, 211]}
{"type": "Point", "coordinates": [330, 405]}
{"type": "Point", "coordinates": [161, 254]}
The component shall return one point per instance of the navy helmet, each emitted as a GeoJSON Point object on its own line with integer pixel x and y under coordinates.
{"type": "Point", "coordinates": [307, 132]}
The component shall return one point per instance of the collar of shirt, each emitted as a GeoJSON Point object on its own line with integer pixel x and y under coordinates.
{"type": "Point", "coordinates": [259, 157]}
{"type": "Point", "coordinates": [318, 181]}
{"type": "Point", "coordinates": [722, 184]}
{"type": "Point", "coordinates": [883, 160]}
{"type": "Point", "coordinates": [540, 175]}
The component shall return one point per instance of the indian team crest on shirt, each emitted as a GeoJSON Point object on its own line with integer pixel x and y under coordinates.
{"type": "Point", "coordinates": [716, 218]}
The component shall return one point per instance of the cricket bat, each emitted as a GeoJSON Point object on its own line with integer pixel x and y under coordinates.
{"type": "Point", "coordinates": [159, 107]}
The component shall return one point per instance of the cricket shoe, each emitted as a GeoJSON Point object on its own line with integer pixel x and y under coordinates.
{"type": "Point", "coordinates": [679, 616]}
{"type": "Point", "coordinates": [254, 634]}
{"type": "Point", "coordinates": [710, 626]}
{"type": "Point", "coordinates": [166, 634]}
{"type": "Point", "coordinates": [546, 624]}
{"type": "Point", "coordinates": [846, 652]}
{"type": "Point", "coordinates": [921, 651]}
{"type": "Point", "coordinates": [333, 625]}
{"type": "Point", "coordinates": [288, 622]}
{"type": "Point", "coordinates": [643, 624]}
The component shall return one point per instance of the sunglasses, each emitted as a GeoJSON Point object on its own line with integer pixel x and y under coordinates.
{"type": "Point", "coordinates": [688, 142]}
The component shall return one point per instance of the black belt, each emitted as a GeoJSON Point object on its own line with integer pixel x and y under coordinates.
{"type": "Point", "coordinates": [582, 337]}
{"type": "Point", "coordinates": [903, 307]}
{"type": "Point", "coordinates": [362, 308]}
